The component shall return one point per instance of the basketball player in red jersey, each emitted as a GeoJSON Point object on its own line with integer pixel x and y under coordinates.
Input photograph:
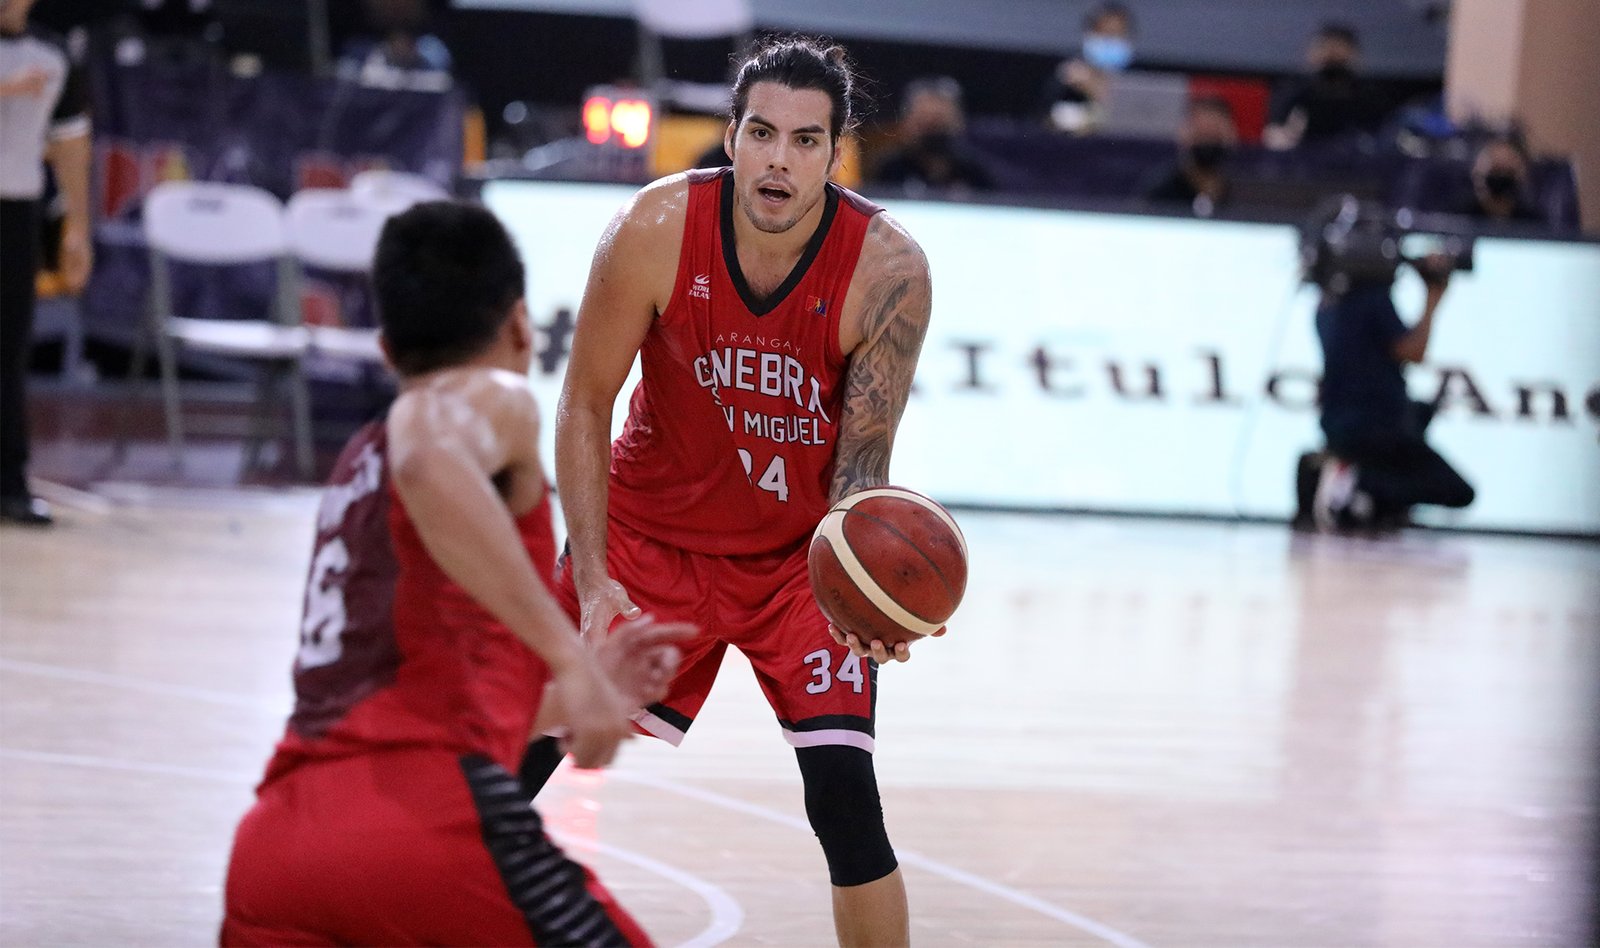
{"type": "Point", "coordinates": [778, 318]}
{"type": "Point", "coordinates": [389, 813]}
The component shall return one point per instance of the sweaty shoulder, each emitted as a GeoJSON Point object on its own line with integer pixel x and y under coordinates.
{"type": "Point", "coordinates": [646, 236]}
{"type": "Point", "coordinates": [891, 278]}
{"type": "Point", "coordinates": [489, 412]}
{"type": "Point", "coordinates": [655, 215]}
{"type": "Point", "coordinates": [660, 204]}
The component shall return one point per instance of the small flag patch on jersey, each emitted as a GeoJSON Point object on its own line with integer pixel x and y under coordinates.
{"type": "Point", "coordinates": [816, 305]}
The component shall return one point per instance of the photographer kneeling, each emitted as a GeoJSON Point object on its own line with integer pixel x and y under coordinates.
{"type": "Point", "coordinates": [1378, 464]}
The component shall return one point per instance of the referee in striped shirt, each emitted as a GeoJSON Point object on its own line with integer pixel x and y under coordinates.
{"type": "Point", "coordinates": [43, 115]}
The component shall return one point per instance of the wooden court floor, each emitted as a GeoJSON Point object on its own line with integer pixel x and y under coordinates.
{"type": "Point", "coordinates": [1137, 733]}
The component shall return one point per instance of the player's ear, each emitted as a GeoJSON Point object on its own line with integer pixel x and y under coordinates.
{"type": "Point", "coordinates": [727, 140]}
{"type": "Point", "coordinates": [388, 353]}
{"type": "Point", "coordinates": [520, 326]}
{"type": "Point", "coordinates": [838, 152]}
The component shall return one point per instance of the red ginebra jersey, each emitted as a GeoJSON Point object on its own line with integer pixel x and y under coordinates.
{"type": "Point", "coordinates": [393, 654]}
{"type": "Point", "coordinates": [729, 444]}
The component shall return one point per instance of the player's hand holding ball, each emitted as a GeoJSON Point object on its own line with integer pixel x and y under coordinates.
{"type": "Point", "coordinates": [888, 566]}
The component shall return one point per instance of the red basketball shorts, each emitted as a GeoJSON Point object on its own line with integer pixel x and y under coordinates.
{"type": "Point", "coordinates": [763, 606]}
{"type": "Point", "coordinates": [408, 847]}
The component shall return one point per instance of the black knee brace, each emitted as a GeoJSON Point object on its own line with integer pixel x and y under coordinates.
{"type": "Point", "coordinates": [843, 806]}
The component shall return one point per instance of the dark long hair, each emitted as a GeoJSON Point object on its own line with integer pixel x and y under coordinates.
{"type": "Point", "coordinates": [799, 63]}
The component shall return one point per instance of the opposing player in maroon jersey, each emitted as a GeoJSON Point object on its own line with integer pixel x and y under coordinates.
{"type": "Point", "coordinates": [778, 318]}
{"type": "Point", "coordinates": [432, 647]}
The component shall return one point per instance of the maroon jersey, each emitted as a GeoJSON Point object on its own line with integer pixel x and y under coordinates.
{"type": "Point", "coordinates": [730, 438]}
{"type": "Point", "coordinates": [393, 654]}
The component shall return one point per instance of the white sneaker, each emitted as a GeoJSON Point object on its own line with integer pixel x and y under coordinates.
{"type": "Point", "coordinates": [1335, 488]}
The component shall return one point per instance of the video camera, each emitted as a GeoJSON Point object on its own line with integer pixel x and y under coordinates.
{"type": "Point", "coordinates": [1349, 242]}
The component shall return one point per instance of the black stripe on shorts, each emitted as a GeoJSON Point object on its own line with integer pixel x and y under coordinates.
{"type": "Point", "coordinates": [547, 887]}
{"type": "Point", "coordinates": [677, 719]}
{"type": "Point", "coordinates": [829, 722]}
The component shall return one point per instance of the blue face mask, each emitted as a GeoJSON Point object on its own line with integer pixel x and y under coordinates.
{"type": "Point", "coordinates": [1110, 53]}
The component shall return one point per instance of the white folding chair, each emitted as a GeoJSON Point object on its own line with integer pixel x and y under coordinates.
{"type": "Point", "coordinates": [220, 225]}
{"type": "Point", "coordinates": [689, 20]}
{"type": "Point", "coordinates": [399, 186]}
{"type": "Point", "coordinates": [338, 230]}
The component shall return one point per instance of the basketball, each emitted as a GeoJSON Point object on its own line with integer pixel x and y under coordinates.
{"type": "Point", "coordinates": [888, 564]}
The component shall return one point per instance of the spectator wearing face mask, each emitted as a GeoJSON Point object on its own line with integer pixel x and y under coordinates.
{"type": "Point", "coordinates": [1500, 185]}
{"type": "Point", "coordinates": [1199, 180]}
{"type": "Point", "coordinates": [933, 156]}
{"type": "Point", "coordinates": [1333, 101]}
{"type": "Point", "coordinates": [1076, 91]}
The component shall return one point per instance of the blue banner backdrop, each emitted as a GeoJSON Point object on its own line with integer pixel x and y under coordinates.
{"type": "Point", "coordinates": [173, 114]}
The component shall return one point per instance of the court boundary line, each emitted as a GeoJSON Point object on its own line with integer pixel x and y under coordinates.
{"type": "Point", "coordinates": [727, 916]}
{"type": "Point", "coordinates": [113, 680]}
{"type": "Point", "coordinates": [909, 857]}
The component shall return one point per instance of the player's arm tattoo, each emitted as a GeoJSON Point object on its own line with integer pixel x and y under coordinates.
{"type": "Point", "coordinates": [878, 380]}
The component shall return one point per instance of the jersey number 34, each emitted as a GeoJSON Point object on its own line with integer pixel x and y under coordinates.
{"type": "Point", "coordinates": [774, 479]}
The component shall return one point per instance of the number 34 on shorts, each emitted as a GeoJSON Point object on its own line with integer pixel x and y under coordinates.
{"type": "Point", "coordinates": [823, 675]}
